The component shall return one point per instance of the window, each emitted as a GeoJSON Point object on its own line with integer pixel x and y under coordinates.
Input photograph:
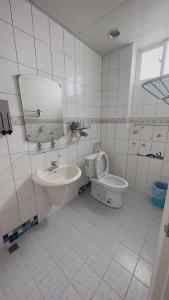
{"type": "Point", "coordinates": [154, 61]}
{"type": "Point", "coordinates": [166, 63]}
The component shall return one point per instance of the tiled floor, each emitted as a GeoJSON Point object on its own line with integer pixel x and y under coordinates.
{"type": "Point", "coordinates": [85, 251]}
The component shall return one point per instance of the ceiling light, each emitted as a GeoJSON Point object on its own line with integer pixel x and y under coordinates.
{"type": "Point", "coordinates": [113, 34]}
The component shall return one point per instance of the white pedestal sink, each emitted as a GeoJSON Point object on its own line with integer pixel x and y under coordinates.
{"type": "Point", "coordinates": [58, 184]}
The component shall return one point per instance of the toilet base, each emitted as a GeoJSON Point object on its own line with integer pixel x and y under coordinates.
{"type": "Point", "coordinates": [108, 197]}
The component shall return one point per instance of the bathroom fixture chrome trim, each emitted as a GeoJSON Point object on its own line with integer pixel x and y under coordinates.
{"type": "Point", "coordinates": [53, 142]}
{"type": "Point", "coordinates": [37, 111]}
{"type": "Point", "coordinates": [54, 165]}
{"type": "Point", "coordinates": [160, 89]}
{"type": "Point", "coordinates": [39, 146]}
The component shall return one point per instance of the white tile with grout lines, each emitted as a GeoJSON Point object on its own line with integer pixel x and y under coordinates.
{"type": "Point", "coordinates": [118, 279]}
{"type": "Point", "coordinates": [103, 292]}
{"type": "Point", "coordinates": [86, 282]}
{"type": "Point", "coordinates": [137, 291]}
{"type": "Point", "coordinates": [99, 261]}
{"type": "Point", "coordinates": [126, 258]}
{"type": "Point", "coordinates": [70, 264]}
{"type": "Point", "coordinates": [56, 251]}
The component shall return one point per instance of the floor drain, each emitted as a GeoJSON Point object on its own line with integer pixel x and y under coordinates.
{"type": "Point", "coordinates": [13, 248]}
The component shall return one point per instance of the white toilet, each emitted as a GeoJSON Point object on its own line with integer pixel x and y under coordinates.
{"type": "Point", "coordinates": [106, 187]}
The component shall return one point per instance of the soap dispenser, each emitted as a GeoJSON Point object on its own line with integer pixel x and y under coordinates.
{"type": "Point", "coordinates": [5, 118]}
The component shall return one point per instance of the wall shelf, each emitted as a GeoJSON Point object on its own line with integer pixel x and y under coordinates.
{"type": "Point", "coordinates": [46, 150]}
{"type": "Point", "coordinates": [158, 87]}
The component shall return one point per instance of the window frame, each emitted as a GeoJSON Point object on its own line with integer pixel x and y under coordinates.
{"type": "Point", "coordinates": [164, 45]}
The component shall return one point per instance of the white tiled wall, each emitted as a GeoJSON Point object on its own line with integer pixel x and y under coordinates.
{"type": "Point", "coordinates": [123, 97]}
{"type": "Point", "coordinates": [32, 43]}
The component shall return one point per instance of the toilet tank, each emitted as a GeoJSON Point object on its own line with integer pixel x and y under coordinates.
{"type": "Point", "coordinates": [90, 165]}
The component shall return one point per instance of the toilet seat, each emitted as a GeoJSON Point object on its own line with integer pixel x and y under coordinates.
{"type": "Point", "coordinates": [101, 165]}
{"type": "Point", "coordinates": [114, 182]}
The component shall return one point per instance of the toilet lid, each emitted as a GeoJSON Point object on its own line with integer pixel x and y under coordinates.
{"type": "Point", "coordinates": [101, 164]}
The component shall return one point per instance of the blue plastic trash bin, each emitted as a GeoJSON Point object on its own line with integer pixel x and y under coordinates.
{"type": "Point", "coordinates": [158, 193]}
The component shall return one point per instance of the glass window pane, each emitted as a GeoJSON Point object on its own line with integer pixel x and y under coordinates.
{"type": "Point", "coordinates": [151, 63]}
{"type": "Point", "coordinates": [166, 64]}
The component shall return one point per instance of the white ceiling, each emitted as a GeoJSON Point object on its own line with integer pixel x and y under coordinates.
{"type": "Point", "coordinates": [91, 20]}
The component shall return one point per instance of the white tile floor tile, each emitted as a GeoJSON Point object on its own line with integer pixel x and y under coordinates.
{"type": "Point", "coordinates": [102, 223]}
{"type": "Point", "coordinates": [105, 293]}
{"type": "Point", "coordinates": [44, 232]}
{"type": "Point", "coordinates": [40, 267]}
{"type": "Point", "coordinates": [35, 295]}
{"type": "Point", "coordinates": [98, 261]}
{"type": "Point", "coordinates": [151, 236]}
{"type": "Point", "coordinates": [16, 284]}
{"type": "Point", "coordinates": [109, 248]}
{"type": "Point", "coordinates": [70, 264]}
{"type": "Point", "coordinates": [20, 287]}
{"type": "Point", "coordinates": [83, 247]}
{"type": "Point", "coordinates": [126, 258]}
{"type": "Point", "coordinates": [57, 249]}
{"type": "Point", "coordinates": [10, 266]}
{"type": "Point", "coordinates": [81, 224]}
{"type": "Point", "coordinates": [155, 225]}
{"type": "Point", "coordinates": [137, 291]}
{"type": "Point", "coordinates": [115, 232]}
{"type": "Point", "coordinates": [148, 252]}
{"type": "Point", "coordinates": [67, 232]}
{"type": "Point", "coordinates": [124, 218]}
{"type": "Point", "coordinates": [30, 259]}
{"type": "Point", "coordinates": [84, 251]}
{"type": "Point", "coordinates": [2, 296]}
{"type": "Point", "coordinates": [118, 278]}
{"type": "Point", "coordinates": [86, 282]}
{"type": "Point", "coordinates": [29, 249]}
{"type": "Point", "coordinates": [133, 243]}
{"type": "Point", "coordinates": [53, 285]}
{"type": "Point", "coordinates": [138, 229]}
{"type": "Point", "coordinates": [143, 271]}
{"type": "Point", "coordinates": [70, 294]}
{"type": "Point", "coordinates": [94, 234]}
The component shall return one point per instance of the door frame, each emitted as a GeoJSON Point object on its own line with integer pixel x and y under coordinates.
{"type": "Point", "coordinates": [159, 287]}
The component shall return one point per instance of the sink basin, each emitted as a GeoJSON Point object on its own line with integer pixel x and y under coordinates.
{"type": "Point", "coordinates": [61, 176]}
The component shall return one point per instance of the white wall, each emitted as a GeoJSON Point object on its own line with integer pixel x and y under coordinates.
{"type": "Point", "coordinates": [32, 43]}
{"type": "Point", "coordinates": [116, 81]}
{"type": "Point", "coordinates": [125, 103]}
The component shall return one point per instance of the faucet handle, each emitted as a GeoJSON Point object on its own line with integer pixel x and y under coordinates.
{"type": "Point", "coordinates": [54, 162]}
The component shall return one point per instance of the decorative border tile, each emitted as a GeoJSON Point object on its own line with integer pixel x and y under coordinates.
{"type": "Point", "coordinates": [17, 232]}
{"type": "Point", "coordinates": [139, 121]}
{"type": "Point", "coordinates": [19, 120]}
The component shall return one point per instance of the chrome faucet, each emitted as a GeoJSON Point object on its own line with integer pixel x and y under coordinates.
{"type": "Point", "coordinates": [54, 165]}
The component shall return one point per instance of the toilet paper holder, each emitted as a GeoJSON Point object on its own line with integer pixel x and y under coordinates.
{"type": "Point", "coordinates": [5, 118]}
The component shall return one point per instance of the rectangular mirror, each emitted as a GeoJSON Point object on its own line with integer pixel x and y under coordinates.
{"type": "Point", "coordinates": [42, 108]}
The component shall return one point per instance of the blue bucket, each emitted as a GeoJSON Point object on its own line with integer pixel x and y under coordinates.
{"type": "Point", "coordinates": [158, 193]}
